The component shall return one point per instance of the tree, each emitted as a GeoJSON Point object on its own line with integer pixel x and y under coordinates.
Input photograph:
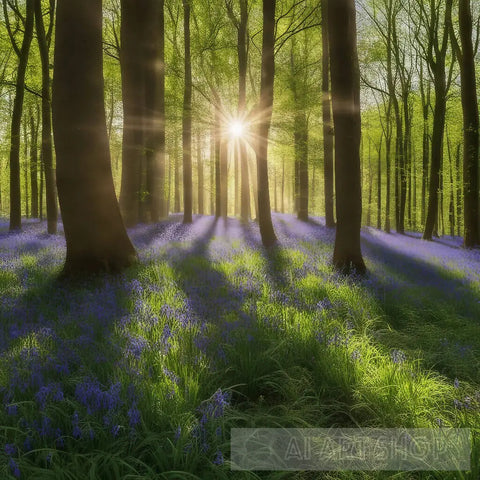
{"type": "Point", "coordinates": [133, 94]}
{"type": "Point", "coordinates": [327, 122]}
{"type": "Point", "coordinates": [265, 107]}
{"type": "Point", "coordinates": [466, 55]}
{"type": "Point", "coordinates": [435, 51]}
{"type": "Point", "coordinates": [241, 25]}
{"type": "Point", "coordinates": [22, 54]}
{"type": "Point", "coordinates": [187, 120]}
{"type": "Point", "coordinates": [47, 148]}
{"type": "Point", "coordinates": [154, 45]}
{"type": "Point", "coordinates": [345, 75]}
{"type": "Point", "coordinates": [94, 231]}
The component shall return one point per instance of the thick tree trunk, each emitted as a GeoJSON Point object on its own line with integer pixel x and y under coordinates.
{"type": "Point", "coordinates": [15, 194]}
{"type": "Point", "coordinates": [154, 47]}
{"type": "Point", "coordinates": [265, 107]}
{"type": "Point", "coordinates": [345, 73]}
{"type": "Point", "coordinates": [94, 231]}
{"type": "Point", "coordinates": [133, 94]}
{"type": "Point", "coordinates": [47, 148]}
{"type": "Point", "coordinates": [470, 128]}
{"type": "Point", "coordinates": [187, 120]}
{"type": "Point", "coordinates": [327, 122]}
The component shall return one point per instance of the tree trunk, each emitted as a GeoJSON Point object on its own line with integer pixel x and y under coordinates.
{"type": "Point", "coordinates": [15, 194]}
{"type": "Point", "coordinates": [25, 165]}
{"type": "Point", "coordinates": [94, 231]}
{"type": "Point", "coordinates": [133, 94]}
{"type": "Point", "coordinates": [345, 73]}
{"type": "Point", "coordinates": [201, 186]}
{"type": "Point", "coordinates": [34, 165]}
{"type": "Point", "coordinates": [327, 122]}
{"type": "Point", "coordinates": [379, 185]}
{"type": "Point", "coordinates": [154, 47]}
{"type": "Point", "coordinates": [265, 107]}
{"type": "Point", "coordinates": [436, 154]}
{"type": "Point", "coordinates": [187, 120]}
{"type": "Point", "coordinates": [301, 153]}
{"type": "Point", "coordinates": [470, 128]}
{"type": "Point", "coordinates": [47, 148]}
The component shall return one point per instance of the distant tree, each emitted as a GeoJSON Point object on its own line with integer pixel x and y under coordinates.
{"type": "Point", "coordinates": [433, 20]}
{"type": "Point", "coordinates": [345, 75]}
{"type": "Point", "coordinates": [187, 119]}
{"type": "Point", "coordinates": [22, 53]}
{"type": "Point", "coordinates": [327, 122]}
{"type": "Point", "coordinates": [241, 25]}
{"type": "Point", "coordinates": [34, 162]}
{"type": "Point", "coordinates": [265, 107]}
{"type": "Point", "coordinates": [94, 231]}
{"type": "Point", "coordinates": [44, 40]}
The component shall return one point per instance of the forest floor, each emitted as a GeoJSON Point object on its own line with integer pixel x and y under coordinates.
{"type": "Point", "coordinates": [143, 375]}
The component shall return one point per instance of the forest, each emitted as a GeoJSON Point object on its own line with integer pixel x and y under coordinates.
{"type": "Point", "coordinates": [226, 216]}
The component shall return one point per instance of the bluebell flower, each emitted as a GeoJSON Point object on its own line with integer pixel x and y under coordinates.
{"type": "Point", "coordinates": [10, 449]}
{"type": "Point", "coordinates": [14, 468]}
{"type": "Point", "coordinates": [218, 458]}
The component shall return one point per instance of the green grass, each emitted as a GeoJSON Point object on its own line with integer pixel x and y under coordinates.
{"type": "Point", "coordinates": [292, 365]}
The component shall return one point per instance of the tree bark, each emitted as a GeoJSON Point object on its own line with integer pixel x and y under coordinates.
{"type": "Point", "coordinates": [47, 147]}
{"type": "Point", "coordinates": [34, 165]}
{"type": "Point", "coordinates": [470, 128]}
{"type": "Point", "coordinates": [15, 193]}
{"type": "Point", "coordinates": [328, 133]}
{"type": "Point", "coordinates": [133, 94]}
{"type": "Point", "coordinates": [265, 108]}
{"type": "Point", "coordinates": [154, 47]}
{"type": "Point", "coordinates": [187, 120]}
{"type": "Point", "coordinates": [345, 74]}
{"type": "Point", "coordinates": [94, 231]}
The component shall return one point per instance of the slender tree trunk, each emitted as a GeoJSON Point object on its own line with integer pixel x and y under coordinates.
{"type": "Point", "coordinates": [212, 171]}
{"type": "Point", "coordinates": [187, 120]}
{"type": "Point", "coordinates": [370, 184]}
{"type": "Point", "coordinates": [201, 182]}
{"type": "Point", "coordinates": [94, 231]}
{"type": "Point", "coordinates": [388, 156]}
{"type": "Point", "coordinates": [327, 122]}
{"type": "Point", "coordinates": [265, 107]}
{"type": "Point", "coordinates": [301, 159]}
{"type": "Point", "coordinates": [283, 185]}
{"type": "Point", "coordinates": [459, 189]}
{"type": "Point", "coordinates": [218, 182]}
{"type": "Point", "coordinates": [47, 148]}
{"type": "Point", "coordinates": [345, 73]}
{"type": "Point", "coordinates": [425, 144]}
{"type": "Point", "coordinates": [34, 165]}
{"type": "Point", "coordinates": [15, 194]}
{"type": "Point", "coordinates": [25, 165]}
{"type": "Point", "coordinates": [176, 192]}
{"type": "Point", "coordinates": [379, 185]}
{"type": "Point", "coordinates": [223, 178]}
{"type": "Point", "coordinates": [436, 155]}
